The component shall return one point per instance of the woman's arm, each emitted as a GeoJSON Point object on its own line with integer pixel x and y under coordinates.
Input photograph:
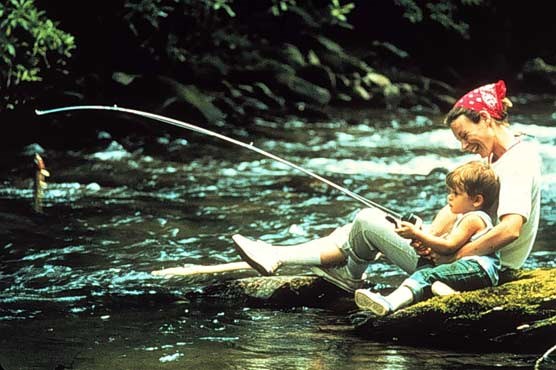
{"type": "Point", "coordinates": [501, 235]}
{"type": "Point", "coordinates": [449, 244]}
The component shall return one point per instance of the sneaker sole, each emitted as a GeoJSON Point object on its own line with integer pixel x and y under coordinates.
{"type": "Point", "coordinates": [260, 268]}
{"type": "Point", "coordinates": [337, 282]}
{"type": "Point", "coordinates": [365, 303]}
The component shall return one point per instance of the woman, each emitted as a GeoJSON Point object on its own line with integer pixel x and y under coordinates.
{"type": "Point", "coordinates": [479, 121]}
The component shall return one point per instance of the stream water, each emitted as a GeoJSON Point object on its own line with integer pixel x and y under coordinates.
{"type": "Point", "coordinates": [75, 285]}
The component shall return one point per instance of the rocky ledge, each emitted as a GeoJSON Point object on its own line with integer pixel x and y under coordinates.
{"type": "Point", "coordinates": [517, 316]}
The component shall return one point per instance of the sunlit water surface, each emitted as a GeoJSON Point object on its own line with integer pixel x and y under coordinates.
{"type": "Point", "coordinates": [75, 283]}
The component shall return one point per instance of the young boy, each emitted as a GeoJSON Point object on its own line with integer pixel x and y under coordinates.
{"type": "Point", "coordinates": [473, 188]}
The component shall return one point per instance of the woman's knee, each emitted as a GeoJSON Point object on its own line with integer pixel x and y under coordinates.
{"type": "Point", "coordinates": [368, 217]}
{"type": "Point", "coordinates": [362, 233]}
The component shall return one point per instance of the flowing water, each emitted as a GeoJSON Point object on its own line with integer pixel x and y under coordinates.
{"type": "Point", "coordinates": [75, 284]}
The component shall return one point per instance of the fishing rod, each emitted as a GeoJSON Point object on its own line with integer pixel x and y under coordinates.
{"type": "Point", "coordinates": [250, 146]}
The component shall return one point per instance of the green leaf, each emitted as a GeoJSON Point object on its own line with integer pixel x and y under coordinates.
{"type": "Point", "coordinates": [11, 49]}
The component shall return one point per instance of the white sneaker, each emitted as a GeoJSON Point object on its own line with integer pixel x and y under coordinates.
{"type": "Point", "coordinates": [257, 254]}
{"type": "Point", "coordinates": [440, 289]}
{"type": "Point", "coordinates": [374, 302]}
{"type": "Point", "coordinates": [338, 276]}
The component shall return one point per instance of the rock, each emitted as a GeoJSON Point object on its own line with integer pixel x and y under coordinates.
{"type": "Point", "coordinates": [360, 92]}
{"type": "Point", "coordinates": [280, 291]}
{"type": "Point", "coordinates": [208, 68]}
{"type": "Point", "coordinates": [293, 56]}
{"type": "Point", "coordinates": [189, 96]}
{"type": "Point", "coordinates": [519, 315]}
{"type": "Point", "coordinates": [376, 79]}
{"type": "Point", "coordinates": [302, 89]}
{"type": "Point", "coordinates": [264, 69]}
{"type": "Point", "coordinates": [313, 58]}
{"type": "Point", "coordinates": [253, 106]}
{"type": "Point", "coordinates": [331, 54]}
{"type": "Point", "coordinates": [516, 316]}
{"type": "Point", "coordinates": [161, 93]}
{"type": "Point", "coordinates": [538, 75]}
{"type": "Point", "coordinates": [266, 95]}
{"type": "Point", "coordinates": [319, 75]}
{"type": "Point", "coordinates": [392, 95]}
{"type": "Point", "coordinates": [124, 78]}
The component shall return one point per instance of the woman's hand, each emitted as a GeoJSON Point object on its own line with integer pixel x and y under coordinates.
{"type": "Point", "coordinates": [420, 249]}
{"type": "Point", "coordinates": [441, 259]}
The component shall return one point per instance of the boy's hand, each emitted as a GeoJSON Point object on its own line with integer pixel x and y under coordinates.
{"type": "Point", "coordinates": [407, 230]}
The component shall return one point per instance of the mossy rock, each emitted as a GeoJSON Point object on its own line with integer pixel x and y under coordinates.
{"type": "Point", "coordinates": [519, 315]}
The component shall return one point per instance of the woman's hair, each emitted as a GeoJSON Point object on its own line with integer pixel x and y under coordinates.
{"type": "Point", "coordinates": [475, 178]}
{"type": "Point", "coordinates": [474, 116]}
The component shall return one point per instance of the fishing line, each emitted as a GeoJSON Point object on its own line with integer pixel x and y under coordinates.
{"type": "Point", "coordinates": [204, 131]}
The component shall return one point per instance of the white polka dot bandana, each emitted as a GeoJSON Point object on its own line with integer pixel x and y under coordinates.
{"type": "Point", "coordinates": [488, 98]}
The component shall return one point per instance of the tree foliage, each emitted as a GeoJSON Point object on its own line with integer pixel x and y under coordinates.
{"type": "Point", "coordinates": [170, 33]}
{"type": "Point", "coordinates": [442, 12]}
{"type": "Point", "coordinates": [205, 17]}
{"type": "Point", "coordinates": [30, 44]}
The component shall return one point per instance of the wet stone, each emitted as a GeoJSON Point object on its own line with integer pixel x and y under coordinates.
{"type": "Point", "coordinates": [518, 315]}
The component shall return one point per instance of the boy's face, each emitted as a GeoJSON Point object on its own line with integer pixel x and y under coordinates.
{"type": "Point", "coordinates": [461, 202]}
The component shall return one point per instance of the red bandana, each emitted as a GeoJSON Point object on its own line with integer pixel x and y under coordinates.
{"type": "Point", "coordinates": [488, 98]}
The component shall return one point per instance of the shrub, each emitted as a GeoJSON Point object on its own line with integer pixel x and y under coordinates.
{"type": "Point", "coordinates": [31, 45]}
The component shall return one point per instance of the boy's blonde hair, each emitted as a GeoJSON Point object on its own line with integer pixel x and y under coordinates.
{"type": "Point", "coordinates": [475, 178]}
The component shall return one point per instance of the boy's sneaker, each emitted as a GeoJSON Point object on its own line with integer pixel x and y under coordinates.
{"type": "Point", "coordinates": [257, 254]}
{"type": "Point", "coordinates": [339, 276]}
{"type": "Point", "coordinates": [374, 302]}
{"type": "Point", "coordinates": [440, 289]}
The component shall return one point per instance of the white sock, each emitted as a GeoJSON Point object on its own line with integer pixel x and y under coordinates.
{"type": "Point", "coordinates": [303, 255]}
{"type": "Point", "coordinates": [400, 297]}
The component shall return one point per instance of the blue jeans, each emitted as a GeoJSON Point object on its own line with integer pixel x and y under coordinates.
{"type": "Point", "coordinates": [370, 233]}
{"type": "Point", "coordinates": [462, 274]}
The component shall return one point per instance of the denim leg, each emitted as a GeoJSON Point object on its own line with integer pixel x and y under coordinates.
{"type": "Point", "coordinates": [462, 274]}
{"type": "Point", "coordinates": [371, 232]}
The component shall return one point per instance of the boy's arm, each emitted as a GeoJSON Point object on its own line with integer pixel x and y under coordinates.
{"type": "Point", "coordinates": [442, 222]}
{"type": "Point", "coordinates": [450, 244]}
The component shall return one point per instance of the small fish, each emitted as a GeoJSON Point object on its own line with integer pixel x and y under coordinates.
{"type": "Point", "coordinates": [41, 174]}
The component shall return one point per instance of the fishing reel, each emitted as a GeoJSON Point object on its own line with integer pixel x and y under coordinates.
{"type": "Point", "coordinates": [408, 217]}
{"type": "Point", "coordinates": [413, 219]}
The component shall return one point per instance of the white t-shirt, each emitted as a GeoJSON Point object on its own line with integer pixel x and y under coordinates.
{"type": "Point", "coordinates": [519, 171]}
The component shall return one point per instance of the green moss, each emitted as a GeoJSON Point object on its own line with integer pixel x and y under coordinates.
{"type": "Point", "coordinates": [527, 294]}
{"type": "Point", "coordinates": [517, 312]}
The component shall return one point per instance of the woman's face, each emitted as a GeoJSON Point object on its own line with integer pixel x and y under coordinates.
{"type": "Point", "coordinates": [477, 138]}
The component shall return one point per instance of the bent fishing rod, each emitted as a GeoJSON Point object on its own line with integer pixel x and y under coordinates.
{"type": "Point", "coordinates": [204, 131]}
